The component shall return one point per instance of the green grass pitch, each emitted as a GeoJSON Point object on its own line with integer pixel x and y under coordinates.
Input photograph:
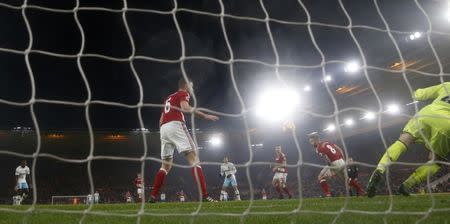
{"type": "Point", "coordinates": [313, 210]}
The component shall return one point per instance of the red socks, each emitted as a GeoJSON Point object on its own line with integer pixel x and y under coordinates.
{"type": "Point", "coordinates": [277, 188]}
{"type": "Point", "coordinates": [325, 188]}
{"type": "Point", "coordinates": [286, 189]}
{"type": "Point", "coordinates": [354, 183]}
{"type": "Point", "coordinates": [200, 178]}
{"type": "Point", "coordinates": [161, 175]}
{"type": "Point", "coordinates": [158, 182]}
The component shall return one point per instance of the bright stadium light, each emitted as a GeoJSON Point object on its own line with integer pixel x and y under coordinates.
{"type": "Point", "coordinates": [349, 122]}
{"type": "Point", "coordinates": [447, 14]}
{"type": "Point", "coordinates": [352, 67]}
{"type": "Point", "coordinates": [277, 104]}
{"type": "Point", "coordinates": [330, 127]}
{"type": "Point", "coordinates": [417, 34]}
{"type": "Point", "coordinates": [215, 141]}
{"type": "Point", "coordinates": [369, 115]}
{"type": "Point", "coordinates": [307, 88]}
{"type": "Point", "coordinates": [328, 78]}
{"type": "Point", "coordinates": [393, 109]}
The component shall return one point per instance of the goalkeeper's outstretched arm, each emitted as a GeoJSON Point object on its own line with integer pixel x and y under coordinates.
{"type": "Point", "coordinates": [432, 92]}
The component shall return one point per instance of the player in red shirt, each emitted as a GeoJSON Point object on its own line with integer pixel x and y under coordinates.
{"type": "Point", "coordinates": [128, 198]}
{"type": "Point", "coordinates": [334, 156]}
{"type": "Point", "coordinates": [138, 184]}
{"type": "Point", "coordinates": [175, 135]}
{"type": "Point", "coordinates": [280, 170]}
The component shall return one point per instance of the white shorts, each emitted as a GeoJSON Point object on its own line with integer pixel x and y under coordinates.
{"type": "Point", "coordinates": [139, 191]}
{"type": "Point", "coordinates": [280, 177]}
{"type": "Point", "coordinates": [174, 135]}
{"type": "Point", "coordinates": [335, 167]}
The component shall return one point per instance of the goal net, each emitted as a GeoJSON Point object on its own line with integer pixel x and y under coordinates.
{"type": "Point", "coordinates": [83, 84]}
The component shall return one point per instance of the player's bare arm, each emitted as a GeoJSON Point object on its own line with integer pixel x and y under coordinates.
{"type": "Point", "coordinates": [185, 107]}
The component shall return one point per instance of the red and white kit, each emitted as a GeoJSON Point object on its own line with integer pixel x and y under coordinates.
{"type": "Point", "coordinates": [174, 133]}
{"type": "Point", "coordinates": [281, 171]}
{"type": "Point", "coordinates": [138, 184]}
{"type": "Point", "coordinates": [334, 157]}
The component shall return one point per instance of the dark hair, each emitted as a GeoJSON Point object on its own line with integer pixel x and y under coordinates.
{"type": "Point", "coordinates": [182, 82]}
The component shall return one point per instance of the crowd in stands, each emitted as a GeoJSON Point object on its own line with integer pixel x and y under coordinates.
{"type": "Point", "coordinates": [113, 192]}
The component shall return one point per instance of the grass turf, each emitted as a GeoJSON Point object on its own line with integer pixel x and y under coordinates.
{"type": "Point", "coordinates": [313, 210]}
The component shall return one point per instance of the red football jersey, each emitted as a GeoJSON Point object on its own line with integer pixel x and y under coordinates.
{"type": "Point", "coordinates": [138, 182]}
{"type": "Point", "coordinates": [281, 158]}
{"type": "Point", "coordinates": [329, 151]}
{"type": "Point", "coordinates": [172, 114]}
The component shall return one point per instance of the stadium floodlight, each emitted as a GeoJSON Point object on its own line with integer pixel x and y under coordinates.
{"type": "Point", "coordinates": [352, 67]}
{"type": "Point", "coordinates": [307, 88]}
{"type": "Point", "coordinates": [447, 13]}
{"type": "Point", "coordinates": [369, 115]}
{"type": "Point", "coordinates": [140, 130]}
{"type": "Point", "coordinates": [417, 34]}
{"type": "Point", "coordinates": [277, 104]}
{"type": "Point", "coordinates": [328, 78]}
{"type": "Point", "coordinates": [215, 141]}
{"type": "Point", "coordinates": [393, 109]}
{"type": "Point", "coordinates": [330, 128]}
{"type": "Point", "coordinates": [349, 122]}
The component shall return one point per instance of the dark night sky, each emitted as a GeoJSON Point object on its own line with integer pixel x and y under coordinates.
{"type": "Point", "coordinates": [155, 36]}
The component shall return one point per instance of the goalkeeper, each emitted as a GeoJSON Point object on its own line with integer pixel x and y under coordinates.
{"type": "Point", "coordinates": [431, 126]}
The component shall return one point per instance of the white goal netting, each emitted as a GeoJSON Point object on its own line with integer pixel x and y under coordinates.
{"type": "Point", "coordinates": [346, 59]}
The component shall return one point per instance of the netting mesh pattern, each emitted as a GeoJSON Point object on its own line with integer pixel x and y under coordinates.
{"type": "Point", "coordinates": [230, 61]}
